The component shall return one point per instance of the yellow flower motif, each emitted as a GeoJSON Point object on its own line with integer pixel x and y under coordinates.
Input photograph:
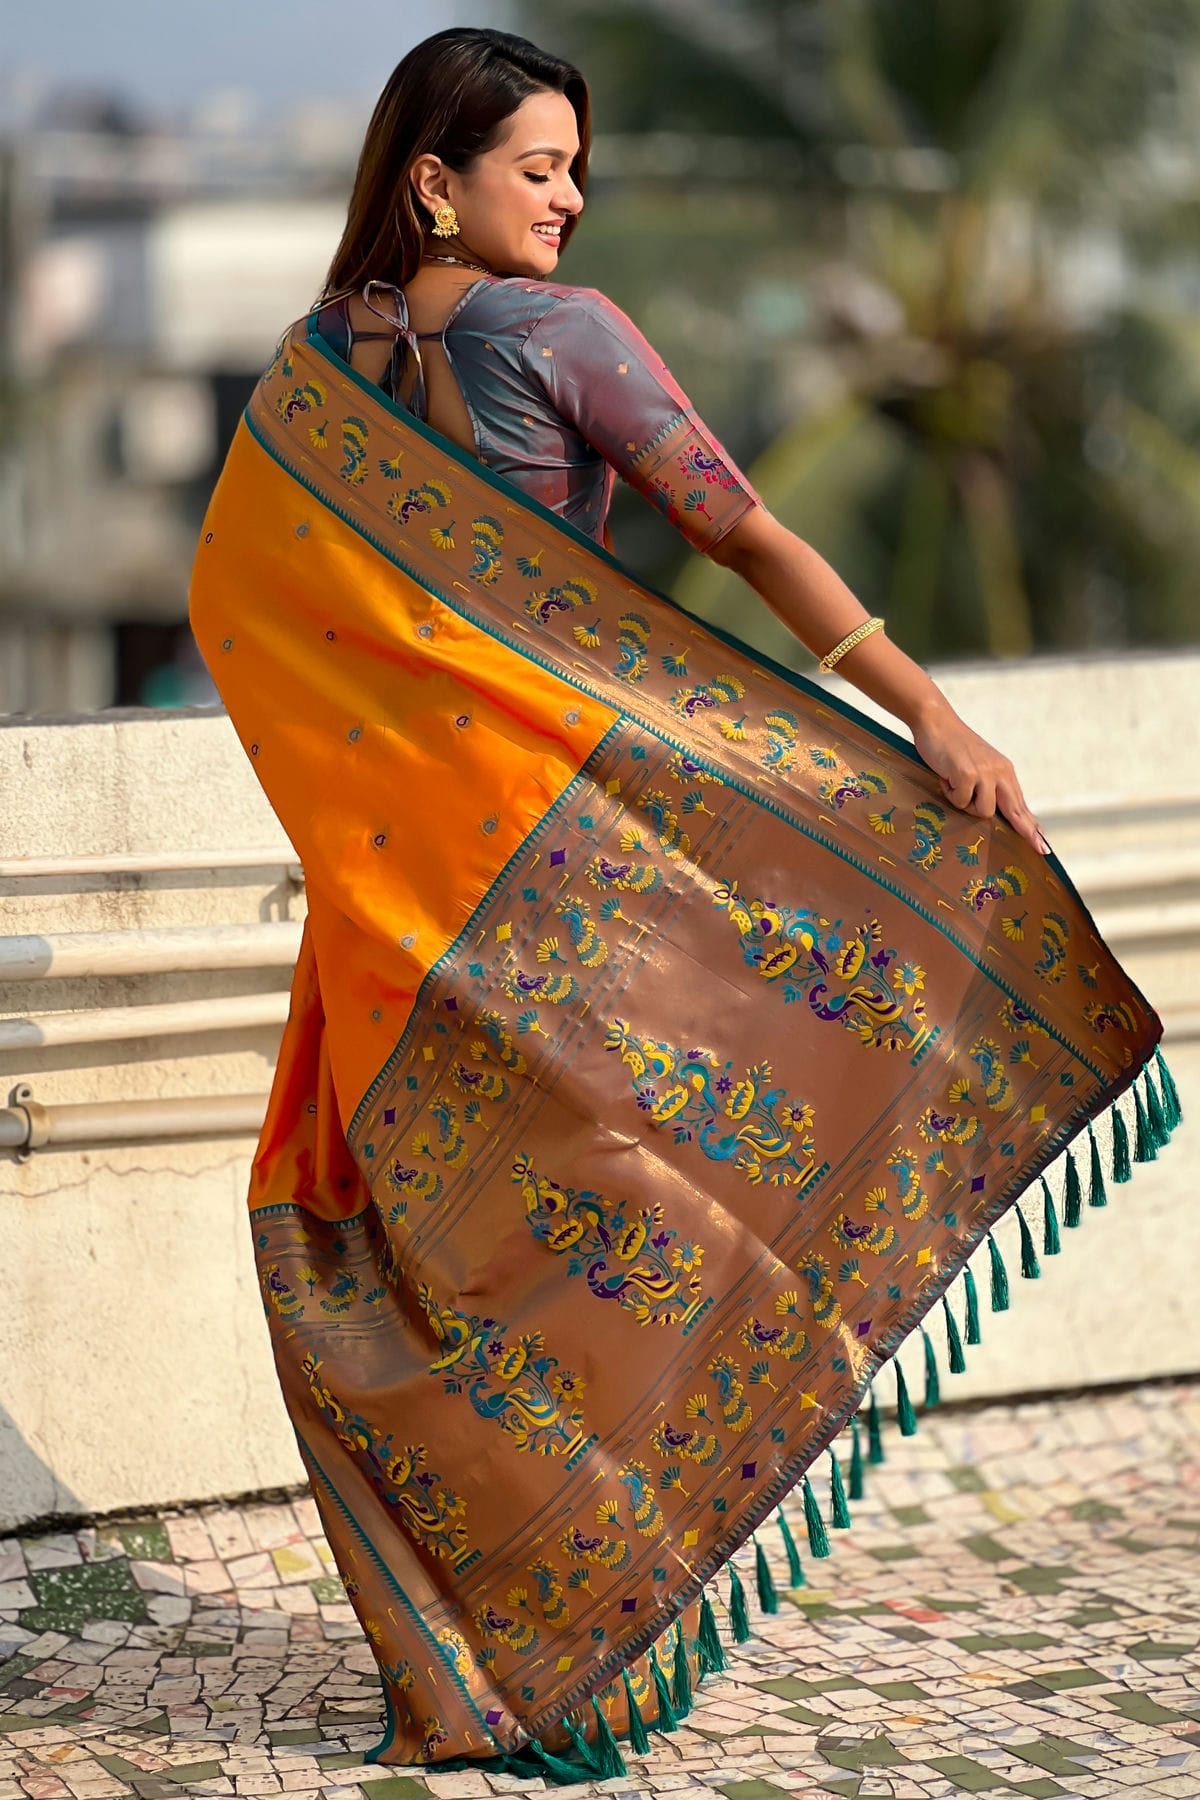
{"type": "Point", "coordinates": [1014, 929]}
{"type": "Point", "coordinates": [373, 1631]}
{"type": "Point", "coordinates": [392, 467]}
{"type": "Point", "coordinates": [732, 729]}
{"type": "Point", "coordinates": [909, 976]}
{"type": "Point", "coordinates": [317, 435]}
{"type": "Point", "coordinates": [420, 1144]}
{"type": "Point", "coordinates": [441, 537]}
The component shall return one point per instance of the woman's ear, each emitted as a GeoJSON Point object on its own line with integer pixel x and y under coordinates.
{"type": "Point", "coordinates": [429, 182]}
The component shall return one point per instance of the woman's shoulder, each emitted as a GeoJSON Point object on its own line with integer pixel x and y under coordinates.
{"type": "Point", "coordinates": [523, 305]}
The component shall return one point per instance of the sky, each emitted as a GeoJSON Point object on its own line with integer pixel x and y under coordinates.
{"type": "Point", "coordinates": [165, 54]}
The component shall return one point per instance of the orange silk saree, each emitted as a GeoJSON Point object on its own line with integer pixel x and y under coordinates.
{"type": "Point", "coordinates": [661, 1047]}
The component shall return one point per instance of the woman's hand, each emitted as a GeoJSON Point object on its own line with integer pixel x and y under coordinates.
{"type": "Point", "coordinates": [974, 777]}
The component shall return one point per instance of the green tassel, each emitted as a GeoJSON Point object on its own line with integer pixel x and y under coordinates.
{"type": "Point", "coordinates": [681, 1677]}
{"type": "Point", "coordinates": [1030, 1266]}
{"type": "Point", "coordinates": [710, 1639]}
{"type": "Point", "coordinates": [839, 1515]}
{"type": "Point", "coordinates": [589, 1757]}
{"type": "Point", "coordinates": [639, 1741]}
{"type": "Point", "coordinates": [606, 1750]}
{"type": "Point", "coordinates": [1144, 1147]}
{"type": "Point", "coordinates": [768, 1599]}
{"type": "Point", "coordinates": [933, 1391]}
{"type": "Point", "coordinates": [1159, 1129]}
{"type": "Point", "coordinates": [999, 1276]}
{"type": "Point", "coordinates": [1120, 1170]}
{"type": "Point", "coordinates": [874, 1432]}
{"type": "Point", "coordinates": [1172, 1110]}
{"type": "Point", "coordinates": [857, 1487]}
{"type": "Point", "coordinates": [818, 1543]}
{"type": "Point", "coordinates": [1072, 1195]}
{"type": "Point", "coordinates": [958, 1362]}
{"type": "Point", "coordinates": [906, 1418]}
{"type": "Point", "coordinates": [973, 1336]}
{"type": "Point", "coordinates": [666, 1712]}
{"type": "Point", "coordinates": [795, 1566]}
{"type": "Point", "coordinates": [1051, 1242]}
{"type": "Point", "coordinates": [1096, 1193]}
{"type": "Point", "coordinates": [739, 1617]}
{"type": "Point", "coordinates": [562, 1773]}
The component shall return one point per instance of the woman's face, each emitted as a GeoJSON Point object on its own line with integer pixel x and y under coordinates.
{"type": "Point", "coordinates": [512, 202]}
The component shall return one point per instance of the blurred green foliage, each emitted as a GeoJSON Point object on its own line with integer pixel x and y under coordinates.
{"type": "Point", "coordinates": [929, 267]}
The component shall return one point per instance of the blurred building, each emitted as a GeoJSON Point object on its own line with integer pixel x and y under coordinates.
{"type": "Point", "coordinates": [145, 277]}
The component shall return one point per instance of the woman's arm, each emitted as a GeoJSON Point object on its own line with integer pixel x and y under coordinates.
{"type": "Point", "coordinates": [814, 602]}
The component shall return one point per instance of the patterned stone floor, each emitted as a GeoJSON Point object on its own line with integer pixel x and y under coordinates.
{"type": "Point", "coordinates": [1016, 1611]}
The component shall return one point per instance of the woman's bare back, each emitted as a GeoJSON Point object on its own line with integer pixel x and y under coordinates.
{"type": "Point", "coordinates": [431, 296]}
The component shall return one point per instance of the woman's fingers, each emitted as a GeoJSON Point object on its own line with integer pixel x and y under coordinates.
{"type": "Point", "coordinates": [1011, 802]}
{"type": "Point", "coordinates": [977, 791]}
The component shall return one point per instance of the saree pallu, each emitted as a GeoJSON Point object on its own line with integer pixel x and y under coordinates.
{"type": "Point", "coordinates": [661, 1047]}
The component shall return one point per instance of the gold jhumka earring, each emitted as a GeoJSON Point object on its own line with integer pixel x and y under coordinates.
{"type": "Point", "coordinates": [445, 221]}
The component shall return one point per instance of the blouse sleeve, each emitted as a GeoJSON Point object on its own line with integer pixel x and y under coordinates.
{"type": "Point", "coordinates": [605, 380]}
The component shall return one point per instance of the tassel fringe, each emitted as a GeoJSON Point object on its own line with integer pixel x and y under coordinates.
{"type": "Point", "coordinates": [973, 1336]}
{"type": "Point", "coordinates": [795, 1566]}
{"type": "Point", "coordinates": [839, 1515]}
{"type": "Point", "coordinates": [768, 1599]}
{"type": "Point", "coordinates": [999, 1276]}
{"type": "Point", "coordinates": [958, 1362]}
{"type": "Point", "coordinates": [1030, 1266]}
{"type": "Point", "coordinates": [1097, 1195]}
{"type": "Point", "coordinates": [874, 1432]}
{"type": "Point", "coordinates": [906, 1418]}
{"type": "Point", "coordinates": [933, 1391]}
{"type": "Point", "coordinates": [1157, 1112]}
{"type": "Point", "coordinates": [712, 1655]}
{"type": "Point", "coordinates": [1073, 1203]}
{"type": "Point", "coordinates": [1051, 1242]}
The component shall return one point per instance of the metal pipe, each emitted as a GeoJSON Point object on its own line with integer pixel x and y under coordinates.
{"type": "Point", "coordinates": [169, 951]}
{"type": "Point", "coordinates": [232, 1013]}
{"type": "Point", "coordinates": [27, 1125]}
{"type": "Point", "coordinates": [155, 862]}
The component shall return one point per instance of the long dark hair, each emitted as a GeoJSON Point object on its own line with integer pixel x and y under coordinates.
{"type": "Point", "coordinates": [449, 98]}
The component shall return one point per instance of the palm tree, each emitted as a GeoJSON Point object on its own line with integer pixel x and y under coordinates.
{"type": "Point", "coordinates": [991, 424]}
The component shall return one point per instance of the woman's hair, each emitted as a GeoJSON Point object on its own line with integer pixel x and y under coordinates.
{"type": "Point", "coordinates": [450, 97]}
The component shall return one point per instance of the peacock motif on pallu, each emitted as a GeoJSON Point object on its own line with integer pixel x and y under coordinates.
{"type": "Point", "coordinates": [586, 941]}
{"type": "Point", "coordinates": [633, 635]}
{"type": "Point", "coordinates": [929, 820]}
{"type": "Point", "coordinates": [517, 1385]}
{"type": "Point", "coordinates": [848, 978]}
{"type": "Point", "coordinates": [565, 597]}
{"type": "Point", "coordinates": [487, 535]}
{"type": "Point", "coordinates": [354, 451]}
{"type": "Point", "coordinates": [742, 1120]}
{"type": "Point", "coordinates": [421, 499]}
{"type": "Point", "coordinates": [629, 1256]}
{"type": "Point", "coordinates": [283, 1298]}
{"type": "Point", "coordinates": [722, 690]}
{"type": "Point", "coordinates": [1002, 884]}
{"type": "Point", "coordinates": [843, 788]}
{"type": "Point", "coordinates": [736, 1412]}
{"type": "Point", "coordinates": [305, 398]}
{"type": "Point", "coordinates": [432, 1514]}
{"type": "Point", "coordinates": [1051, 965]}
{"type": "Point", "coordinates": [635, 1478]}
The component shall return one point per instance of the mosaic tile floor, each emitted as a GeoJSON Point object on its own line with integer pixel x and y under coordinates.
{"type": "Point", "coordinates": [1016, 1611]}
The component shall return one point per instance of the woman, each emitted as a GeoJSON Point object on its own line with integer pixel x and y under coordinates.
{"type": "Point", "coordinates": [665, 1035]}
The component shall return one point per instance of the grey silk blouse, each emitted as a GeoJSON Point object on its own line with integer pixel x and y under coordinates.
{"type": "Point", "coordinates": [563, 391]}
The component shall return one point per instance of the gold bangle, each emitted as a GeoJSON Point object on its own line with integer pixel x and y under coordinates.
{"type": "Point", "coordinates": [848, 642]}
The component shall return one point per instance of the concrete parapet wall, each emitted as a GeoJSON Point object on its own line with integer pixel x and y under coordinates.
{"type": "Point", "coordinates": [134, 1361]}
